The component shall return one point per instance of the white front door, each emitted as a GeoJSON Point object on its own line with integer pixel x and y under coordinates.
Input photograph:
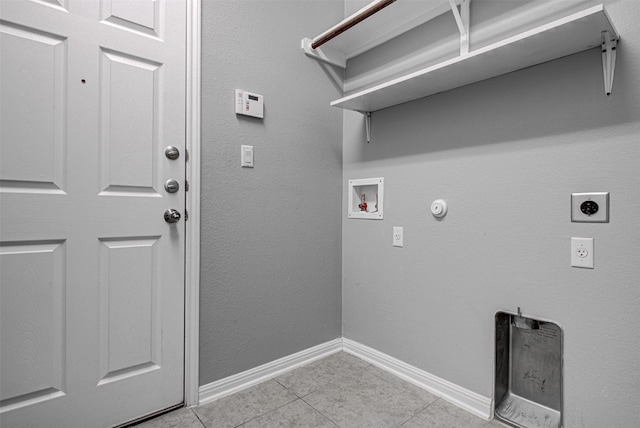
{"type": "Point", "coordinates": [91, 275]}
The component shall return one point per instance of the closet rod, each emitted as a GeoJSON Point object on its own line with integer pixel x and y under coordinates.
{"type": "Point", "coordinates": [350, 22]}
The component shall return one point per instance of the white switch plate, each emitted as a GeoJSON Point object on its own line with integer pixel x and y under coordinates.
{"type": "Point", "coordinates": [246, 156]}
{"type": "Point", "coordinates": [600, 199]}
{"type": "Point", "coordinates": [582, 252]}
{"type": "Point", "coordinates": [397, 236]}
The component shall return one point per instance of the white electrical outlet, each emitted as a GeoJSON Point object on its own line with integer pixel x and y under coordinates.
{"type": "Point", "coordinates": [582, 252]}
{"type": "Point", "coordinates": [397, 236]}
{"type": "Point", "coordinates": [590, 207]}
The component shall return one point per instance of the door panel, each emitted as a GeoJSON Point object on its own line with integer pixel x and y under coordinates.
{"type": "Point", "coordinates": [129, 90]}
{"type": "Point", "coordinates": [58, 4]}
{"type": "Point", "coordinates": [34, 115]}
{"type": "Point", "coordinates": [92, 290]}
{"type": "Point", "coordinates": [136, 15]}
{"type": "Point", "coordinates": [32, 300]}
{"type": "Point", "coordinates": [128, 285]}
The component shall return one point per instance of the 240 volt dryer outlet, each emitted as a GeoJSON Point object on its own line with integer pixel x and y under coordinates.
{"type": "Point", "coordinates": [590, 207]}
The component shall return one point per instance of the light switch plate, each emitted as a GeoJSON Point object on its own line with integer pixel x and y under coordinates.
{"type": "Point", "coordinates": [583, 206]}
{"type": "Point", "coordinates": [582, 252]}
{"type": "Point", "coordinates": [246, 156]}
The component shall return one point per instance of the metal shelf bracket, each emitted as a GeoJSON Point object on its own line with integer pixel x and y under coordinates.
{"type": "Point", "coordinates": [462, 20]}
{"type": "Point", "coordinates": [609, 45]}
{"type": "Point", "coordinates": [367, 125]}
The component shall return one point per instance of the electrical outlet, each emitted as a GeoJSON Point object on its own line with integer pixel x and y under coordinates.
{"type": "Point", "coordinates": [397, 236]}
{"type": "Point", "coordinates": [582, 252]}
{"type": "Point", "coordinates": [590, 207]}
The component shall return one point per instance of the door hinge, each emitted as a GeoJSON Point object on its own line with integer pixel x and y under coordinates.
{"type": "Point", "coordinates": [186, 186]}
{"type": "Point", "coordinates": [186, 215]}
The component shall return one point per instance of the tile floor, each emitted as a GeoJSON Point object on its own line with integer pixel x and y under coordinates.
{"type": "Point", "coordinates": [337, 391]}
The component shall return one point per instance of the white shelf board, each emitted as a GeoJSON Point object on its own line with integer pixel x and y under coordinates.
{"type": "Point", "coordinates": [395, 19]}
{"type": "Point", "coordinates": [566, 36]}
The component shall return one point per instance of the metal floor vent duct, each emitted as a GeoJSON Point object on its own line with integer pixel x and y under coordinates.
{"type": "Point", "coordinates": [528, 372]}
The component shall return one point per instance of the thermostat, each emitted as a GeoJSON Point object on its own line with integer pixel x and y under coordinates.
{"type": "Point", "coordinates": [249, 104]}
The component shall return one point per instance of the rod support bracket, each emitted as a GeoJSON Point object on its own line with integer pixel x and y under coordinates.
{"type": "Point", "coordinates": [325, 54]}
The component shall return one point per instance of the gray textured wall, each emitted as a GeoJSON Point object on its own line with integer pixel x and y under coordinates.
{"type": "Point", "coordinates": [271, 235]}
{"type": "Point", "coordinates": [506, 154]}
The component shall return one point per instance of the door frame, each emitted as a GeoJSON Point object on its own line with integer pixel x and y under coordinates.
{"type": "Point", "coordinates": [192, 233]}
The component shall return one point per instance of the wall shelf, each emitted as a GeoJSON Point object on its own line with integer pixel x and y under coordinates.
{"type": "Point", "coordinates": [575, 33]}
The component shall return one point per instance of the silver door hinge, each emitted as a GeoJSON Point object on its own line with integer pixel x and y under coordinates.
{"type": "Point", "coordinates": [186, 215]}
{"type": "Point", "coordinates": [186, 186]}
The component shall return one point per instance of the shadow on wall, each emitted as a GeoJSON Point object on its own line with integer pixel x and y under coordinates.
{"type": "Point", "coordinates": [559, 97]}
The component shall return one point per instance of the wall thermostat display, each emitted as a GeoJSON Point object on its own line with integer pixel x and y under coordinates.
{"type": "Point", "coordinates": [249, 104]}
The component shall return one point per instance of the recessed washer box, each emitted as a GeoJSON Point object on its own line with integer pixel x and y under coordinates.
{"type": "Point", "coordinates": [590, 207]}
{"type": "Point", "coordinates": [366, 197]}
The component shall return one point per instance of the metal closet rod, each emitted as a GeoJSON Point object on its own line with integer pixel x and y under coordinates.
{"type": "Point", "coordinates": [364, 14]}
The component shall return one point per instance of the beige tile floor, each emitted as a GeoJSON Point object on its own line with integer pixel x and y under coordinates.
{"type": "Point", "coordinates": [337, 391]}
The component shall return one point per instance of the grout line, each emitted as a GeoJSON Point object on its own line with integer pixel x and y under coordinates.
{"type": "Point", "coordinates": [198, 418]}
{"type": "Point", "coordinates": [291, 389]}
{"type": "Point", "coordinates": [281, 384]}
{"type": "Point", "coordinates": [325, 416]}
{"type": "Point", "coordinates": [419, 412]}
{"type": "Point", "coordinates": [270, 411]}
{"type": "Point", "coordinates": [320, 413]}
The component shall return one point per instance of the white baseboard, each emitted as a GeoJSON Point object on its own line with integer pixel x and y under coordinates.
{"type": "Point", "coordinates": [246, 379]}
{"type": "Point", "coordinates": [467, 400]}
